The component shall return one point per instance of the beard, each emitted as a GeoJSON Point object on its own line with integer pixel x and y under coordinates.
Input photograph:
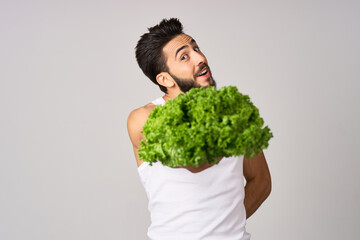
{"type": "Point", "coordinates": [185, 84]}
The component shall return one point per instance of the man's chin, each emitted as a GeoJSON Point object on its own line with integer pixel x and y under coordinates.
{"type": "Point", "coordinates": [204, 86]}
{"type": "Point", "coordinates": [211, 82]}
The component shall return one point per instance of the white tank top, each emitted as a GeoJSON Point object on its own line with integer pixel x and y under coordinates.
{"type": "Point", "coordinates": [195, 206]}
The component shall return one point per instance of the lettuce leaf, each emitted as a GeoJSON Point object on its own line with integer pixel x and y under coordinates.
{"type": "Point", "coordinates": [202, 125]}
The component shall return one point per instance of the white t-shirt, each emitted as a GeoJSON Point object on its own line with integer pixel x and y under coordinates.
{"type": "Point", "coordinates": [195, 206]}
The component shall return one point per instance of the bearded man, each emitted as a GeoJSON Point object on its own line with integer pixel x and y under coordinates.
{"type": "Point", "coordinates": [191, 203]}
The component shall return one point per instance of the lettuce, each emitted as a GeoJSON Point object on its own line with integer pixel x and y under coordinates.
{"type": "Point", "coordinates": [202, 125]}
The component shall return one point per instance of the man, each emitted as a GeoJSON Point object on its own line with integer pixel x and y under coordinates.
{"type": "Point", "coordinates": [208, 202]}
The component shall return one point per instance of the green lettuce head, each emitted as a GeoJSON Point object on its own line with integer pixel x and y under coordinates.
{"type": "Point", "coordinates": [203, 125]}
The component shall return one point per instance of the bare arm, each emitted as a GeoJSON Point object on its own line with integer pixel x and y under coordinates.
{"type": "Point", "coordinates": [258, 183]}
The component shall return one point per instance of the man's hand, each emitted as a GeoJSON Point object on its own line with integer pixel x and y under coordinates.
{"type": "Point", "coordinates": [258, 183]}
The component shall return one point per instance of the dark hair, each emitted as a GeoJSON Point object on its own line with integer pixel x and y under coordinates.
{"type": "Point", "coordinates": [149, 49]}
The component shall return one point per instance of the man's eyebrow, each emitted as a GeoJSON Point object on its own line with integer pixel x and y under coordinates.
{"type": "Point", "coordinates": [181, 48]}
{"type": "Point", "coordinates": [185, 46]}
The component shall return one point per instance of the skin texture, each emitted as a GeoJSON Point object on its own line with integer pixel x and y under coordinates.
{"type": "Point", "coordinates": [185, 65]}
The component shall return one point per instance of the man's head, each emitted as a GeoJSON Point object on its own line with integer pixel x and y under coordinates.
{"type": "Point", "coordinates": [167, 56]}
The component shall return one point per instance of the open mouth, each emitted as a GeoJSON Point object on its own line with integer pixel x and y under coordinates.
{"type": "Point", "coordinates": [204, 72]}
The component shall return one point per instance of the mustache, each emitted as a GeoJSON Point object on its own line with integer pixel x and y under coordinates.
{"type": "Point", "coordinates": [201, 67]}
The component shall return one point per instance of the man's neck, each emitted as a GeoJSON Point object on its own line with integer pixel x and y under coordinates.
{"type": "Point", "coordinates": [171, 95]}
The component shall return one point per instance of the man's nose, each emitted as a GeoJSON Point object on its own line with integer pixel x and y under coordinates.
{"type": "Point", "coordinates": [199, 58]}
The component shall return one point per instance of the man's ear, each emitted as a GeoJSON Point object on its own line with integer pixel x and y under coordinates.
{"type": "Point", "coordinates": [164, 79]}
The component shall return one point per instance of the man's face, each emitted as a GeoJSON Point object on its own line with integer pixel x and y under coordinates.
{"type": "Point", "coordinates": [187, 64]}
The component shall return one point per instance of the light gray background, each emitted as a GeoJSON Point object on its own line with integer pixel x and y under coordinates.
{"type": "Point", "coordinates": [69, 79]}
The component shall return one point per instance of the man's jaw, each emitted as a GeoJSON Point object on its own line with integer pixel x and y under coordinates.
{"type": "Point", "coordinates": [203, 75]}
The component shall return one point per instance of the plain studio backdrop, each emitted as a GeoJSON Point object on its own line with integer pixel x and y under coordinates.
{"type": "Point", "coordinates": [69, 79]}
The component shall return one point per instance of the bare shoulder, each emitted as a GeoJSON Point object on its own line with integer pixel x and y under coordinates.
{"type": "Point", "coordinates": [140, 115]}
{"type": "Point", "coordinates": [136, 120]}
{"type": "Point", "coordinates": [142, 112]}
{"type": "Point", "coordinates": [135, 123]}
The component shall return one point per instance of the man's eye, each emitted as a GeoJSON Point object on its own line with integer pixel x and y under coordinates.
{"type": "Point", "coordinates": [196, 49]}
{"type": "Point", "coordinates": [183, 57]}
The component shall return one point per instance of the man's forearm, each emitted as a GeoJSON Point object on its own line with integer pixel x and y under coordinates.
{"type": "Point", "coordinates": [256, 192]}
